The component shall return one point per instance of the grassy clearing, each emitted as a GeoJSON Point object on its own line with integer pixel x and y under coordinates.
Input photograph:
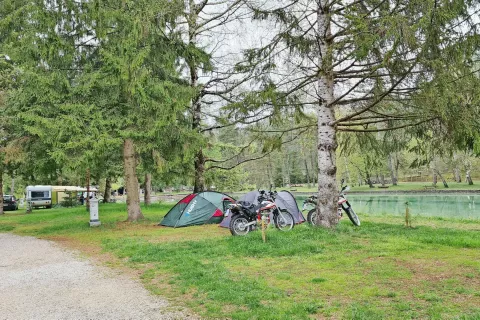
{"type": "Point", "coordinates": [380, 270]}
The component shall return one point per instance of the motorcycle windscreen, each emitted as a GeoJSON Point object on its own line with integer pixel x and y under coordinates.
{"type": "Point", "coordinates": [251, 197]}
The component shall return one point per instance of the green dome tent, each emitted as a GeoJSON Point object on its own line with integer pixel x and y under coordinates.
{"type": "Point", "coordinates": [198, 208]}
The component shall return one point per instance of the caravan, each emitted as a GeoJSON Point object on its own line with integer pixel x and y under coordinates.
{"type": "Point", "coordinates": [48, 196]}
{"type": "Point", "coordinates": [39, 196]}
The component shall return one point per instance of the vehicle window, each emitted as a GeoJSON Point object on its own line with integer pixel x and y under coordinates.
{"type": "Point", "coordinates": [7, 198]}
{"type": "Point", "coordinates": [39, 194]}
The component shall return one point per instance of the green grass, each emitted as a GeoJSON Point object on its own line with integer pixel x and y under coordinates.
{"type": "Point", "coordinates": [378, 271]}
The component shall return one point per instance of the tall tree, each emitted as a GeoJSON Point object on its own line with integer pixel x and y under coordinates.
{"type": "Point", "coordinates": [361, 64]}
{"type": "Point", "coordinates": [110, 70]}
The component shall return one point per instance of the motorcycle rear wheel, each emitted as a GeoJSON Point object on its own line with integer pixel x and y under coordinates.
{"type": "Point", "coordinates": [238, 226]}
{"type": "Point", "coordinates": [284, 220]}
{"type": "Point", "coordinates": [311, 216]}
{"type": "Point", "coordinates": [352, 216]}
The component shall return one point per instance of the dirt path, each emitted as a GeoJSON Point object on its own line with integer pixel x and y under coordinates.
{"type": "Point", "coordinates": [39, 280]}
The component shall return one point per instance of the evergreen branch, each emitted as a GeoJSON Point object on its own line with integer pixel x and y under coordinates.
{"type": "Point", "coordinates": [253, 159]}
{"type": "Point", "coordinates": [340, 128]}
{"type": "Point", "coordinates": [378, 100]}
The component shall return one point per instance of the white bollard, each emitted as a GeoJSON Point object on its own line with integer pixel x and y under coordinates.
{"type": "Point", "coordinates": [94, 220]}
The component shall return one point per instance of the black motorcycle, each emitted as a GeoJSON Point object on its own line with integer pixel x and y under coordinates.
{"type": "Point", "coordinates": [246, 216]}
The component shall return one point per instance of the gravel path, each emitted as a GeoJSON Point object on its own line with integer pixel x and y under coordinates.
{"type": "Point", "coordinates": [39, 280]}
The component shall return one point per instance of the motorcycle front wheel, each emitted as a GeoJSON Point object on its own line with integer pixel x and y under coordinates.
{"type": "Point", "coordinates": [239, 227]}
{"type": "Point", "coordinates": [284, 220]}
{"type": "Point", "coordinates": [352, 216]}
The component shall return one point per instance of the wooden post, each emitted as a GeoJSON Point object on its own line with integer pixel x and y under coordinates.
{"type": "Point", "coordinates": [264, 226]}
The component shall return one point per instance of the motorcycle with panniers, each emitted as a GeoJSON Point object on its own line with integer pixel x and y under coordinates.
{"type": "Point", "coordinates": [246, 216]}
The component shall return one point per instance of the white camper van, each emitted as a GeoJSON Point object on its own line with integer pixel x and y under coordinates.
{"type": "Point", "coordinates": [39, 196]}
{"type": "Point", "coordinates": [48, 196]}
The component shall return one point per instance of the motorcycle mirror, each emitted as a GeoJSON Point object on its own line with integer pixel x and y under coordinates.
{"type": "Point", "coordinates": [342, 181]}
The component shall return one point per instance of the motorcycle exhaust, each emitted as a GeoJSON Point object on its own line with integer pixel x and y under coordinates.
{"type": "Point", "coordinates": [250, 223]}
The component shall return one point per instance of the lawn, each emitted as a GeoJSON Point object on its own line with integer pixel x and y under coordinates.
{"type": "Point", "coordinates": [377, 271]}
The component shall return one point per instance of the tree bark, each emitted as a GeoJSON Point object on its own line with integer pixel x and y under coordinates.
{"type": "Point", "coordinates": [327, 138]}
{"type": "Point", "coordinates": [434, 178]}
{"type": "Point", "coordinates": [108, 190]}
{"type": "Point", "coordinates": [199, 185]}
{"type": "Point", "coordinates": [131, 181]}
{"type": "Point", "coordinates": [148, 189]}
{"type": "Point", "coordinates": [88, 190]}
{"type": "Point", "coordinates": [196, 105]}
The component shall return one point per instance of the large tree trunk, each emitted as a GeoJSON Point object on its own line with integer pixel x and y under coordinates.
{"type": "Point", "coordinates": [148, 189]}
{"type": "Point", "coordinates": [327, 139]}
{"type": "Point", "coordinates": [199, 162]}
{"type": "Point", "coordinates": [199, 185]}
{"type": "Point", "coordinates": [434, 179]}
{"type": "Point", "coordinates": [131, 181]}
{"type": "Point", "coordinates": [391, 167]}
{"type": "Point", "coordinates": [108, 190]}
{"type": "Point", "coordinates": [1, 189]}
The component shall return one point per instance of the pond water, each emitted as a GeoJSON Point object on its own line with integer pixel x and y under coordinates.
{"type": "Point", "coordinates": [462, 206]}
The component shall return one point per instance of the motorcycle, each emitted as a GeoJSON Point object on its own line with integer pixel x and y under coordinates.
{"type": "Point", "coordinates": [246, 216]}
{"type": "Point", "coordinates": [343, 205]}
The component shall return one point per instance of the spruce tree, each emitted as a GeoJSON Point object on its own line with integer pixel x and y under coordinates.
{"type": "Point", "coordinates": [361, 65]}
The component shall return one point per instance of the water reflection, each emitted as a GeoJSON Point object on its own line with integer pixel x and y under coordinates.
{"type": "Point", "coordinates": [445, 205]}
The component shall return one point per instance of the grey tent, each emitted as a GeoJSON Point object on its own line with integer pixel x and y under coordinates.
{"type": "Point", "coordinates": [284, 200]}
